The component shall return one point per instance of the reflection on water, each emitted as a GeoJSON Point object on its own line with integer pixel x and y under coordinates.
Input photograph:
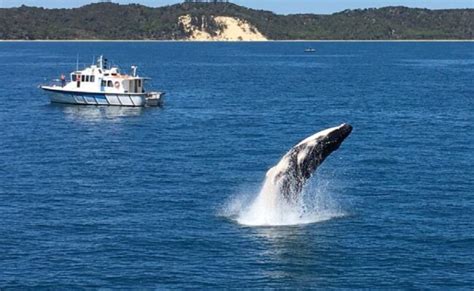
{"type": "Point", "coordinates": [293, 250]}
{"type": "Point", "coordinates": [99, 113]}
{"type": "Point", "coordinates": [282, 239]}
{"type": "Point", "coordinates": [436, 62]}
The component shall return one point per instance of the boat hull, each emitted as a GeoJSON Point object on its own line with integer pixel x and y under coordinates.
{"type": "Point", "coordinates": [131, 100]}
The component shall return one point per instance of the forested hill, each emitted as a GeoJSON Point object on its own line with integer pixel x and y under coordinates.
{"type": "Point", "coordinates": [114, 21]}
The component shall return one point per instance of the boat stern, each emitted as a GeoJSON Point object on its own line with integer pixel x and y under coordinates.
{"type": "Point", "coordinates": [154, 98]}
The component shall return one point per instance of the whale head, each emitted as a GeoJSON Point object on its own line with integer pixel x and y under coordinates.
{"type": "Point", "coordinates": [299, 164]}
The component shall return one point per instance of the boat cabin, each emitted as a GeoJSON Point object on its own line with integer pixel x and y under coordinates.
{"type": "Point", "coordinates": [100, 78]}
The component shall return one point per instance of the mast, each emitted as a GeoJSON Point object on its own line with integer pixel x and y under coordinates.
{"type": "Point", "coordinates": [100, 62]}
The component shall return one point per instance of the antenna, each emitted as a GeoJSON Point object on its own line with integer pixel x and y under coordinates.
{"type": "Point", "coordinates": [77, 62]}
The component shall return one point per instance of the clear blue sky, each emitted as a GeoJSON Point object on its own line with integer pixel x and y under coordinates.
{"type": "Point", "coordinates": [279, 6]}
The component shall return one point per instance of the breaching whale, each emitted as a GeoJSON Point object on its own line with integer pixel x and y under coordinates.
{"type": "Point", "coordinates": [299, 164]}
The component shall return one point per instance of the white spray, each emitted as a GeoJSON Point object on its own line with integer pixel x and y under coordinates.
{"type": "Point", "coordinates": [269, 208]}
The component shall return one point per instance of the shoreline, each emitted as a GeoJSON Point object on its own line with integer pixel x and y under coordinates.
{"type": "Point", "coordinates": [234, 41]}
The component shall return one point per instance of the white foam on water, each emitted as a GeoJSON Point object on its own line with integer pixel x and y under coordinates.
{"type": "Point", "coordinates": [269, 208]}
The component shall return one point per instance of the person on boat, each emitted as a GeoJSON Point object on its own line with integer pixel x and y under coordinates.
{"type": "Point", "coordinates": [63, 80]}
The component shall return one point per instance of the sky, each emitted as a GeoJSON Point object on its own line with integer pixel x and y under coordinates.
{"type": "Point", "coordinates": [278, 6]}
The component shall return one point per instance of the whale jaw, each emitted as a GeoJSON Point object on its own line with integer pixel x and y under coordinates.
{"type": "Point", "coordinates": [299, 164]}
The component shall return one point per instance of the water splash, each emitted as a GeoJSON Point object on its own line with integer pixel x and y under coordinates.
{"type": "Point", "coordinates": [268, 207]}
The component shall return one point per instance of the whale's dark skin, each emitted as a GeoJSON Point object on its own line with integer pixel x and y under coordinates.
{"type": "Point", "coordinates": [298, 165]}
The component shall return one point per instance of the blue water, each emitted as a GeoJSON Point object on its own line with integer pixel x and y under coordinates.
{"type": "Point", "coordinates": [139, 197]}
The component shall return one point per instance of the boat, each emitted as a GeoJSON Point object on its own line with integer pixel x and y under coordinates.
{"type": "Point", "coordinates": [310, 50]}
{"type": "Point", "coordinates": [100, 84]}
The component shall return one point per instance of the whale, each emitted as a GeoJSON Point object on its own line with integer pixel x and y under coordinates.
{"type": "Point", "coordinates": [297, 166]}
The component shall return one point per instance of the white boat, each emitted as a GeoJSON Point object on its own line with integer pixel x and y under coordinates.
{"type": "Point", "coordinates": [101, 85]}
{"type": "Point", "coordinates": [310, 50]}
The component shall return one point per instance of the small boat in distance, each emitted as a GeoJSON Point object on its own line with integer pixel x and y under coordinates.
{"type": "Point", "coordinates": [310, 50]}
{"type": "Point", "coordinates": [101, 85]}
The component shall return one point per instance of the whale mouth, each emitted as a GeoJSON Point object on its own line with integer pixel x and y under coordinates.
{"type": "Point", "coordinates": [346, 129]}
{"type": "Point", "coordinates": [340, 134]}
{"type": "Point", "coordinates": [336, 137]}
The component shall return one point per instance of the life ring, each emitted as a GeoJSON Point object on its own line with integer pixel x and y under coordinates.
{"type": "Point", "coordinates": [117, 84]}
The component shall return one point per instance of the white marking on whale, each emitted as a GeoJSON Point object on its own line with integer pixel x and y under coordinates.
{"type": "Point", "coordinates": [299, 164]}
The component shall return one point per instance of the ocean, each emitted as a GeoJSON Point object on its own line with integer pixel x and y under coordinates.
{"type": "Point", "coordinates": [110, 197]}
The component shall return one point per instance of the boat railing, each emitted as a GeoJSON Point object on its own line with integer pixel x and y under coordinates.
{"type": "Point", "coordinates": [56, 83]}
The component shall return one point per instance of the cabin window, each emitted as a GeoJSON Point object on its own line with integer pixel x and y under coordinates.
{"type": "Point", "coordinates": [109, 84]}
{"type": "Point", "coordinates": [87, 78]}
{"type": "Point", "coordinates": [73, 77]}
{"type": "Point", "coordinates": [139, 82]}
{"type": "Point", "coordinates": [92, 79]}
{"type": "Point", "coordinates": [83, 78]}
{"type": "Point", "coordinates": [103, 83]}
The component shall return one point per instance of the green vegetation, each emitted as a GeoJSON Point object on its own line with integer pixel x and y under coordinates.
{"type": "Point", "coordinates": [114, 21]}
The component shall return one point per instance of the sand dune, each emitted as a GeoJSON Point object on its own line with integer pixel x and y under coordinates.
{"type": "Point", "coordinates": [233, 29]}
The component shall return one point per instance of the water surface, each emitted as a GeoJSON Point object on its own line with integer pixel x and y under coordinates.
{"type": "Point", "coordinates": [136, 197]}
